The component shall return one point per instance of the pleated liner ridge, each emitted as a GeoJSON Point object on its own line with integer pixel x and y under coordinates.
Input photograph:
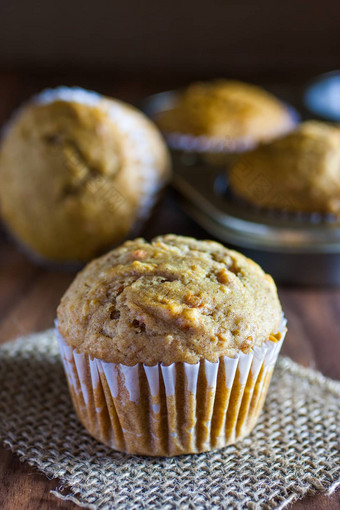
{"type": "Point", "coordinates": [170, 410]}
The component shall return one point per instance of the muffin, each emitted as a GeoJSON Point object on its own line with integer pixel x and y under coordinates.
{"type": "Point", "coordinates": [298, 173]}
{"type": "Point", "coordinates": [169, 346]}
{"type": "Point", "coordinates": [78, 173]}
{"type": "Point", "coordinates": [224, 116]}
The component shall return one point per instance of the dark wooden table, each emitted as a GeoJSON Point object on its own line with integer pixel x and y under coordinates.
{"type": "Point", "coordinates": [29, 296]}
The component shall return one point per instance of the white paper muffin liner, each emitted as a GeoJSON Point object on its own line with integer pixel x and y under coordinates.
{"type": "Point", "coordinates": [170, 410]}
{"type": "Point", "coordinates": [205, 144]}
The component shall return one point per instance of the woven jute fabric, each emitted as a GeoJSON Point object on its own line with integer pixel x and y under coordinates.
{"type": "Point", "coordinates": [293, 451]}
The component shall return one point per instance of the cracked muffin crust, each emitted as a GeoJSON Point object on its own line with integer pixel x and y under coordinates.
{"type": "Point", "coordinates": [299, 172]}
{"type": "Point", "coordinates": [77, 172]}
{"type": "Point", "coordinates": [175, 299]}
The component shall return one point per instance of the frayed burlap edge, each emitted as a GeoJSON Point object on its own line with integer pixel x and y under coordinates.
{"type": "Point", "coordinates": [293, 452]}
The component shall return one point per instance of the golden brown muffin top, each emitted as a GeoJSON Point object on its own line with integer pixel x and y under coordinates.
{"type": "Point", "coordinates": [300, 172]}
{"type": "Point", "coordinates": [77, 171]}
{"type": "Point", "coordinates": [225, 109]}
{"type": "Point", "coordinates": [174, 299]}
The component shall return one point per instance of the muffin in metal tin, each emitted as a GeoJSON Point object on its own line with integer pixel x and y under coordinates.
{"type": "Point", "coordinates": [297, 173]}
{"type": "Point", "coordinates": [224, 117]}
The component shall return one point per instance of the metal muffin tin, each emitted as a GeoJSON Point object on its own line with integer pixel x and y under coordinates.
{"type": "Point", "coordinates": [293, 248]}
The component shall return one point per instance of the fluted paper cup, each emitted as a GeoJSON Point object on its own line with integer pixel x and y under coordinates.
{"type": "Point", "coordinates": [170, 410]}
{"type": "Point", "coordinates": [220, 151]}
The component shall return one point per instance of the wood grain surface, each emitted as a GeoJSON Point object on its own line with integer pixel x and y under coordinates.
{"type": "Point", "coordinates": [29, 295]}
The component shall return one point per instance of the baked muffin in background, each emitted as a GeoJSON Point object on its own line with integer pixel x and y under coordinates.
{"type": "Point", "coordinates": [78, 172]}
{"type": "Point", "coordinates": [224, 116]}
{"type": "Point", "coordinates": [299, 172]}
{"type": "Point", "coordinates": [169, 346]}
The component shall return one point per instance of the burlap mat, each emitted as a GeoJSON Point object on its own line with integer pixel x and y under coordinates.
{"type": "Point", "coordinates": [293, 451]}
